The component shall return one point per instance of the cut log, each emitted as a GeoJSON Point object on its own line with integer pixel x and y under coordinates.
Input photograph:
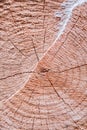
{"type": "Point", "coordinates": [55, 97]}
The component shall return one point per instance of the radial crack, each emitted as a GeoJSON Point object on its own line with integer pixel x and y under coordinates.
{"type": "Point", "coordinates": [72, 68]}
{"type": "Point", "coordinates": [63, 101]}
{"type": "Point", "coordinates": [35, 51]}
{"type": "Point", "coordinates": [17, 74]}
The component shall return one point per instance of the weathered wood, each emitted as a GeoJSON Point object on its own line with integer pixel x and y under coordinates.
{"type": "Point", "coordinates": [55, 96]}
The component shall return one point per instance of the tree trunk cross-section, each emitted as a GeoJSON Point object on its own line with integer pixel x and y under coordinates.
{"type": "Point", "coordinates": [55, 96]}
{"type": "Point", "coordinates": [27, 29]}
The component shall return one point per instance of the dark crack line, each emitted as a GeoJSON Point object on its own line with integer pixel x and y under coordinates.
{"type": "Point", "coordinates": [58, 94]}
{"type": "Point", "coordinates": [35, 51]}
{"type": "Point", "coordinates": [41, 72]}
{"type": "Point", "coordinates": [63, 101]}
{"type": "Point", "coordinates": [11, 40]}
{"type": "Point", "coordinates": [14, 44]}
{"type": "Point", "coordinates": [17, 48]}
{"type": "Point", "coordinates": [16, 74]}
{"type": "Point", "coordinates": [70, 68]}
{"type": "Point", "coordinates": [49, 70]}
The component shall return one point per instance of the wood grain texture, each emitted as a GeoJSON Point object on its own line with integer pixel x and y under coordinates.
{"type": "Point", "coordinates": [27, 29]}
{"type": "Point", "coordinates": [55, 97]}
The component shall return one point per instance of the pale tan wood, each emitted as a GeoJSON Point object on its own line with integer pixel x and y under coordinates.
{"type": "Point", "coordinates": [55, 97]}
{"type": "Point", "coordinates": [27, 29]}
